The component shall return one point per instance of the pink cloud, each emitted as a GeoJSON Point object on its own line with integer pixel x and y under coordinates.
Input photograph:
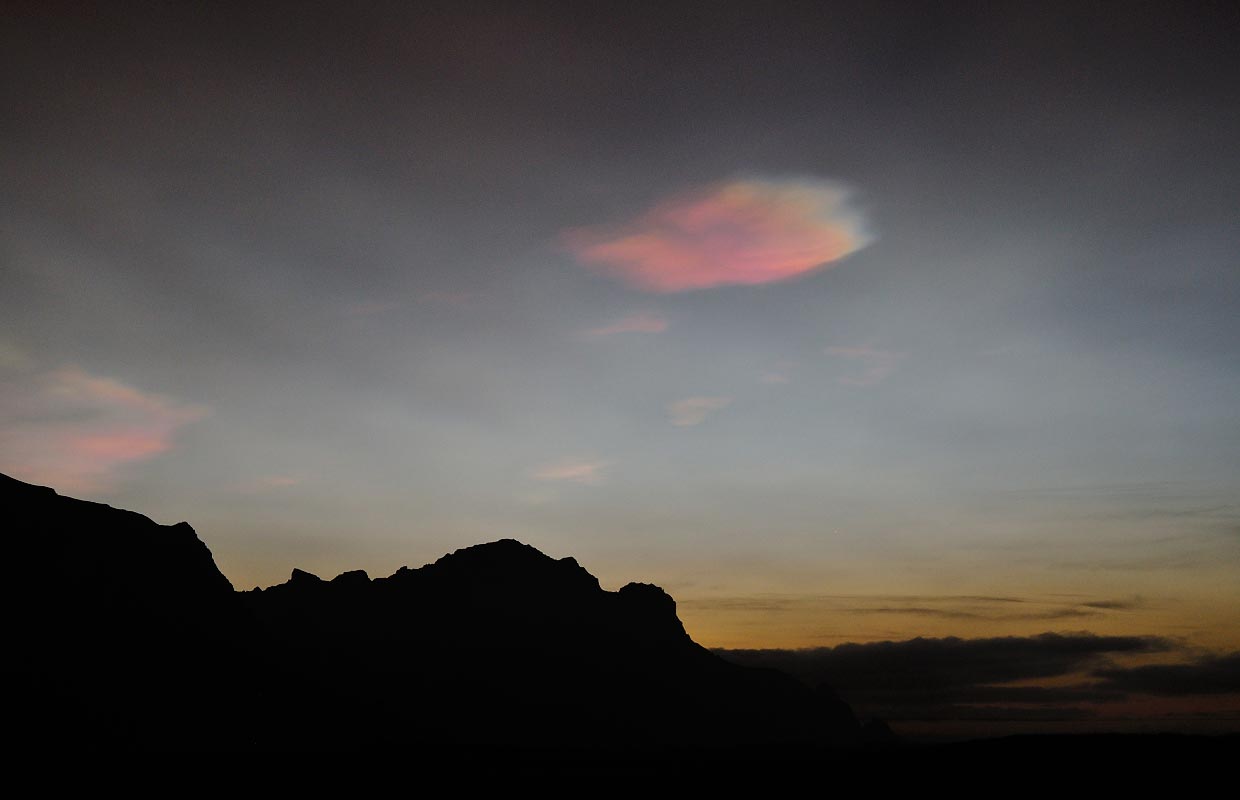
{"type": "Point", "coordinates": [573, 470]}
{"type": "Point", "coordinates": [738, 233]}
{"type": "Point", "coordinates": [633, 323]}
{"type": "Point", "coordinates": [695, 410]}
{"type": "Point", "coordinates": [876, 365]}
{"type": "Point", "coordinates": [75, 431]}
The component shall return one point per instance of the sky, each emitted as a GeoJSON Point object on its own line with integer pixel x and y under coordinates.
{"type": "Point", "coordinates": [846, 323]}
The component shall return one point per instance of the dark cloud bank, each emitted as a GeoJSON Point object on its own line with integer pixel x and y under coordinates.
{"type": "Point", "coordinates": [1049, 676]}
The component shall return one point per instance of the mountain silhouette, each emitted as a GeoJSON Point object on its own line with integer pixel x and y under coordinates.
{"type": "Point", "coordinates": [124, 634]}
{"type": "Point", "coordinates": [120, 633]}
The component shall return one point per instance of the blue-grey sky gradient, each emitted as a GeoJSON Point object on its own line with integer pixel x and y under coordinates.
{"type": "Point", "coordinates": [306, 271]}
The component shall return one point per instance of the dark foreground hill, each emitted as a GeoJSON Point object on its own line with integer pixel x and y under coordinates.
{"type": "Point", "coordinates": [123, 634]}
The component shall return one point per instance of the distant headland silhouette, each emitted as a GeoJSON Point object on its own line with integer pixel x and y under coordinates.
{"type": "Point", "coordinates": [122, 634]}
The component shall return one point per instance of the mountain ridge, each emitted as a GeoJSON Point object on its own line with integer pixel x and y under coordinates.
{"type": "Point", "coordinates": [492, 645]}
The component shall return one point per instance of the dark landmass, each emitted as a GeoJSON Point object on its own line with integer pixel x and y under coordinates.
{"type": "Point", "coordinates": [123, 635]}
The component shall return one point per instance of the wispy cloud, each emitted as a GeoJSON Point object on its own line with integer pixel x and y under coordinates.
{"type": "Point", "coordinates": [446, 298]}
{"type": "Point", "coordinates": [984, 608]}
{"type": "Point", "coordinates": [371, 308]}
{"type": "Point", "coordinates": [574, 470]}
{"type": "Point", "coordinates": [876, 365]}
{"type": "Point", "coordinates": [742, 232]}
{"type": "Point", "coordinates": [695, 410]}
{"type": "Point", "coordinates": [780, 373]}
{"type": "Point", "coordinates": [1117, 605]}
{"type": "Point", "coordinates": [642, 322]}
{"type": "Point", "coordinates": [12, 356]}
{"type": "Point", "coordinates": [959, 613]}
{"type": "Point", "coordinates": [75, 431]}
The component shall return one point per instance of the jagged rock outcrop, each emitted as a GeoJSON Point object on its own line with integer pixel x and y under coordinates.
{"type": "Point", "coordinates": [509, 644]}
{"type": "Point", "coordinates": [132, 638]}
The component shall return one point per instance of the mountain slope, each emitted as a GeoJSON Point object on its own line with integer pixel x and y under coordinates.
{"type": "Point", "coordinates": [119, 632]}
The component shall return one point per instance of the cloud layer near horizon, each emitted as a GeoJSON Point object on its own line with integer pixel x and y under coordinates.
{"type": "Point", "coordinates": [743, 232]}
{"type": "Point", "coordinates": [1048, 676]}
{"type": "Point", "coordinates": [75, 431]}
{"type": "Point", "coordinates": [953, 678]}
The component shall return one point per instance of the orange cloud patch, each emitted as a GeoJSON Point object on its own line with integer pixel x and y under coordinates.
{"type": "Point", "coordinates": [738, 233]}
{"type": "Point", "coordinates": [74, 431]}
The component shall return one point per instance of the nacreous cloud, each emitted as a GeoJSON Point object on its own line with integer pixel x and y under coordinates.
{"type": "Point", "coordinates": [74, 431]}
{"type": "Point", "coordinates": [743, 232]}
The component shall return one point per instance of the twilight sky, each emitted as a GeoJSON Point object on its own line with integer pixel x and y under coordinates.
{"type": "Point", "coordinates": [842, 322]}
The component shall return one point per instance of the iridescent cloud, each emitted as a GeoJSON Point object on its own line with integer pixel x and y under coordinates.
{"type": "Point", "coordinates": [573, 470]}
{"type": "Point", "coordinates": [633, 323]}
{"type": "Point", "coordinates": [74, 431]}
{"type": "Point", "coordinates": [876, 365]}
{"type": "Point", "coordinates": [695, 410]}
{"type": "Point", "coordinates": [742, 232]}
